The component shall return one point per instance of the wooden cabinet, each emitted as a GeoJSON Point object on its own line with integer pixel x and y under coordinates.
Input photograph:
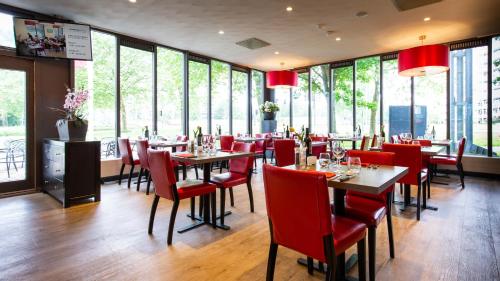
{"type": "Point", "coordinates": [72, 170]}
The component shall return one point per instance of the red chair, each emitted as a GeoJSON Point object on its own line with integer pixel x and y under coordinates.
{"type": "Point", "coordinates": [452, 160]}
{"type": "Point", "coordinates": [142, 151]}
{"type": "Point", "coordinates": [298, 207]}
{"type": "Point", "coordinates": [167, 187]}
{"type": "Point", "coordinates": [364, 142]}
{"type": "Point", "coordinates": [285, 152]}
{"type": "Point", "coordinates": [260, 149]}
{"type": "Point", "coordinates": [127, 159]}
{"type": "Point", "coordinates": [374, 141]}
{"type": "Point", "coordinates": [269, 145]}
{"type": "Point", "coordinates": [240, 172]}
{"type": "Point", "coordinates": [370, 208]}
{"type": "Point", "coordinates": [226, 143]}
{"type": "Point", "coordinates": [409, 155]}
{"type": "Point", "coordinates": [181, 139]}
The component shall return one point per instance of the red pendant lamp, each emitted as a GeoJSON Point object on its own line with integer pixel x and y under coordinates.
{"type": "Point", "coordinates": [281, 78]}
{"type": "Point", "coordinates": [423, 60]}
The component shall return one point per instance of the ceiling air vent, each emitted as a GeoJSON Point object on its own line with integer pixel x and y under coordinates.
{"type": "Point", "coordinates": [404, 5]}
{"type": "Point", "coordinates": [253, 43]}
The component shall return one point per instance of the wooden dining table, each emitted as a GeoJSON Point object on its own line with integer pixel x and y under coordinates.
{"type": "Point", "coordinates": [369, 180]}
{"type": "Point", "coordinates": [205, 159]}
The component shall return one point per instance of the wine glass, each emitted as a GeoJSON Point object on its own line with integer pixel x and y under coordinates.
{"type": "Point", "coordinates": [324, 160]}
{"type": "Point", "coordinates": [354, 164]}
{"type": "Point", "coordinates": [338, 152]}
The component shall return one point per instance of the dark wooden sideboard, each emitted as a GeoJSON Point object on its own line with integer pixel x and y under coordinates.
{"type": "Point", "coordinates": [72, 170]}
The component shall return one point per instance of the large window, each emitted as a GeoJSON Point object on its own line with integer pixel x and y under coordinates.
{"type": "Point", "coordinates": [220, 96]}
{"type": "Point", "coordinates": [7, 31]}
{"type": "Point", "coordinates": [342, 101]}
{"type": "Point", "coordinates": [282, 98]}
{"type": "Point", "coordinates": [495, 103]}
{"type": "Point", "coordinates": [170, 91]}
{"type": "Point", "coordinates": [430, 105]}
{"type": "Point", "coordinates": [320, 89]}
{"type": "Point", "coordinates": [300, 102]}
{"type": "Point", "coordinates": [240, 102]}
{"type": "Point", "coordinates": [368, 95]}
{"type": "Point", "coordinates": [98, 76]}
{"type": "Point", "coordinates": [198, 96]}
{"type": "Point", "coordinates": [469, 98]}
{"type": "Point", "coordinates": [397, 102]}
{"type": "Point", "coordinates": [257, 100]}
{"type": "Point", "coordinates": [136, 91]}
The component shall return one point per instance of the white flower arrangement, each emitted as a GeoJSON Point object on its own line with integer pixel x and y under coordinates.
{"type": "Point", "coordinates": [269, 107]}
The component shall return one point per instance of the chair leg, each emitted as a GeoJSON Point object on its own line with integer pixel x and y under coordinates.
{"type": "Point", "coordinates": [428, 187]}
{"type": "Point", "coordinates": [184, 172]}
{"type": "Point", "coordinates": [250, 195]}
{"type": "Point", "coordinates": [222, 204]}
{"type": "Point", "coordinates": [419, 191]}
{"type": "Point", "coordinates": [139, 179]}
{"type": "Point", "coordinates": [220, 167]}
{"type": "Point", "coordinates": [149, 183]}
{"type": "Point", "coordinates": [372, 245]}
{"type": "Point", "coordinates": [310, 265]}
{"type": "Point", "coordinates": [196, 171]}
{"type": "Point", "coordinates": [172, 222]}
{"type": "Point", "coordinates": [271, 261]}
{"type": "Point", "coordinates": [231, 196]}
{"type": "Point", "coordinates": [193, 203]}
{"type": "Point", "coordinates": [176, 169]}
{"type": "Point", "coordinates": [200, 208]}
{"type": "Point", "coordinates": [362, 261]}
{"type": "Point", "coordinates": [130, 176]}
{"type": "Point", "coordinates": [460, 168]}
{"type": "Point", "coordinates": [400, 188]}
{"type": "Point", "coordinates": [214, 208]}
{"type": "Point", "coordinates": [272, 156]}
{"type": "Point", "coordinates": [424, 194]}
{"type": "Point", "coordinates": [153, 212]}
{"type": "Point", "coordinates": [121, 174]}
{"type": "Point", "coordinates": [389, 226]}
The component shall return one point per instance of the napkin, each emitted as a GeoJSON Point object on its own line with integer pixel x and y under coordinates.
{"type": "Point", "coordinates": [327, 174]}
{"type": "Point", "coordinates": [185, 155]}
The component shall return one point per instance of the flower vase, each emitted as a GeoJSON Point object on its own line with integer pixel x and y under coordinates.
{"type": "Point", "coordinates": [269, 115]}
{"type": "Point", "coordinates": [72, 129]}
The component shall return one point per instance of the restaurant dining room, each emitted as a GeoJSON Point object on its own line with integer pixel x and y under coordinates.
{"type": "Point", "coordinates": [250, 140]}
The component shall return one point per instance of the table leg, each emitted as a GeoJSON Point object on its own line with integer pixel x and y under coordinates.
{"type": "Point", "coordinates": [174, 149]}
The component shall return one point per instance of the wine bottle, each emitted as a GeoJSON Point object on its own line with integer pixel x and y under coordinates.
{"type": "Point", "coordinates": [359, 131]}
{"type": "Point", "coordinates": [146, 132]}
{"type": "Point", "coordinates": [287, 132]}
{"type": "Point", "coordinates": [308, 142]}
{"type": "Point", "coordinates": [382, 133]}
{"type": "Point", "coordinates": [433, 133]}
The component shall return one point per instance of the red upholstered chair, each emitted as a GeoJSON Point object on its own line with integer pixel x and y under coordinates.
{"type": "Point", "coordinates": [426, 162]}
{"type": "Point", "coordinates": [370, 208]}
{"type": "Point", "coordinates": [181, 139]}
{"type": "Point", "coordinates": [127, 159]}
{"type": "Point", "coordinates": [240, 172]}
{"type": "Point", "coordinates": [167, 187]}
{"type": "Point", "coordinates": [260, 149]}
{"type": "Point", "coordinates": [319, 138]}
{"type": "Point", "coordinates": [285, 152]}
{"type": "Point", "coordinates": [298, 207]}
{"type": "Point", "coordinates": [226, 143]}
{"type": "Point", "coordinates": [452, 160]}
{"type": "Point", "coordinates": [374, 141]}
{"type": "Point", "coordinates": [409, 155]}
{"type": "Point", "coordinates": [142, 151]}
{"type": "Point", "coordinates": [364, 143]}
{"type": "Point", "coordinates": [269, 145]}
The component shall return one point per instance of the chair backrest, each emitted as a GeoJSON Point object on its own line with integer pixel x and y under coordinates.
{"type": "Point", "coordinates": [142, 151]}
{"type": "Point", "coordinates": [364, 142]}
{"type": "Point", "coordinates": [298, 207]}
{"type": "Point", "coordinates": [162, 173]}
{"type": "Point", "coordinates": [373, 157]}
{"type": "Point", "coordinates": [284, 152]}
{"type": "Point", "coordinates": [260, 144]}
{"type": "Point", "coordinates": [226, 142]}
{"type": "Point", "coordinates": [319, 138]}
{"type": "Point", "coordinates": [406, 155]}
{"type": "Point", "coordinates": [125, 151]}
{"type": "Point", "coordinates": [182, 139]}
{"type": "Point", "coordinates": [424, 142]}
{"type": "Point", "coordinates": [461, 148]}
{"type": "Point", "coordinates": [374, 141]}
{"type": "Point", "coordinates": [318, 149]}
{"type": "Point", "coordinates": [242, 165]}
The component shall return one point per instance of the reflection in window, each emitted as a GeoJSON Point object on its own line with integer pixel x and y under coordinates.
{"type": "Point", "coordinates": [257, 100]}
{"type": "Point", "coordinates": [240, 102]}
{"type": "Point", "coordinates": [368, 95]}
{"type": "Point", "coordinates": [397, 102]}
{"type": "Point", "coordinates": [495, 103]}
{"type": "Point", "coordinates": [7, 31]}
{"type": "Point", "coordinates": [342, 100]}
{"type": "Point", "coordinates": [170, 85]}
{"type": "Point", "coordinates": [469, 99]}
{"type": "Point", "coordinates": [220, 96]}
{"type": "Point", "coordinates": [136, 91]}
{"type": "Point", "coordinates": [198, 96]}
{"type": "Point", "coordinates": [300, 102]}
{"type": "Point", "coordinates": [320, 89]}
{"type": "Point", "coordinates": [282, 98]}
{"type": "Point", "coordinates": [98, 76]}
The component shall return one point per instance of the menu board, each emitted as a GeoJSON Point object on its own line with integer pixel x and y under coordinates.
{"type": "Point", "coordinates": [52, 39]}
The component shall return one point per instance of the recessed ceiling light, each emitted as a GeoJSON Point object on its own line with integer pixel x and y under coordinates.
{"type": "Point", "coordinates": [338, 39]}
{"type": "Point", "coordinates": [132, 1]}
{"type": "Point", "coordinates": [221, 32]}
{"type": "Point", "coordinates": [276, 53]}
{"type": "Point", "coordinates": [427, 19]}
{"type": "Point", "coordinates": [289, 9]}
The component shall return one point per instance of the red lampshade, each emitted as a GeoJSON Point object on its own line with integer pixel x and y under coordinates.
{"type": "Point", "coordinates": [423, 60]}
{"type": "Point", "coordinates": [282, 78]}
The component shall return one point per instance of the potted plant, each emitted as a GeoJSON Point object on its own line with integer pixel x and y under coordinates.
{"type": "Point", "coordinates": [269, 109]}
{"type": "Point", "coordinates": [74, 125]}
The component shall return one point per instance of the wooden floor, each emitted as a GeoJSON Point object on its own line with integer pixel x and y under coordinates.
{"type": "Point", "coordinates": [108, 240]}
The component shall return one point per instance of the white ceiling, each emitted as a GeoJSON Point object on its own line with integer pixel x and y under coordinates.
{"type": "Point", "coordinates": [194, 24]}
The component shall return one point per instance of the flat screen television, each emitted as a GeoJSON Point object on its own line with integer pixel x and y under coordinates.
{"type": "Point", "coordinates": [52, 39]}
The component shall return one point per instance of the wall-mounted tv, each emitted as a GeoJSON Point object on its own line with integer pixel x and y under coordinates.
{"type": "Point", "coordinates": [52, 39]}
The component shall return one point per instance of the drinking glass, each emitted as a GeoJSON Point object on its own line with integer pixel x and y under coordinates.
{"type": "Point", "coordinates": [354, 164]}
{"type": "Point", "coordinates": [324, 160]}
{"type": "Point", "coordinates": [409, 136]}
{"type": "Point", "coordinates": [338, 152]}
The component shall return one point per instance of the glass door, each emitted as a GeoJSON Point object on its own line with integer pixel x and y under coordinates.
{"type": "Point", "coordinates": [16, 88]}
